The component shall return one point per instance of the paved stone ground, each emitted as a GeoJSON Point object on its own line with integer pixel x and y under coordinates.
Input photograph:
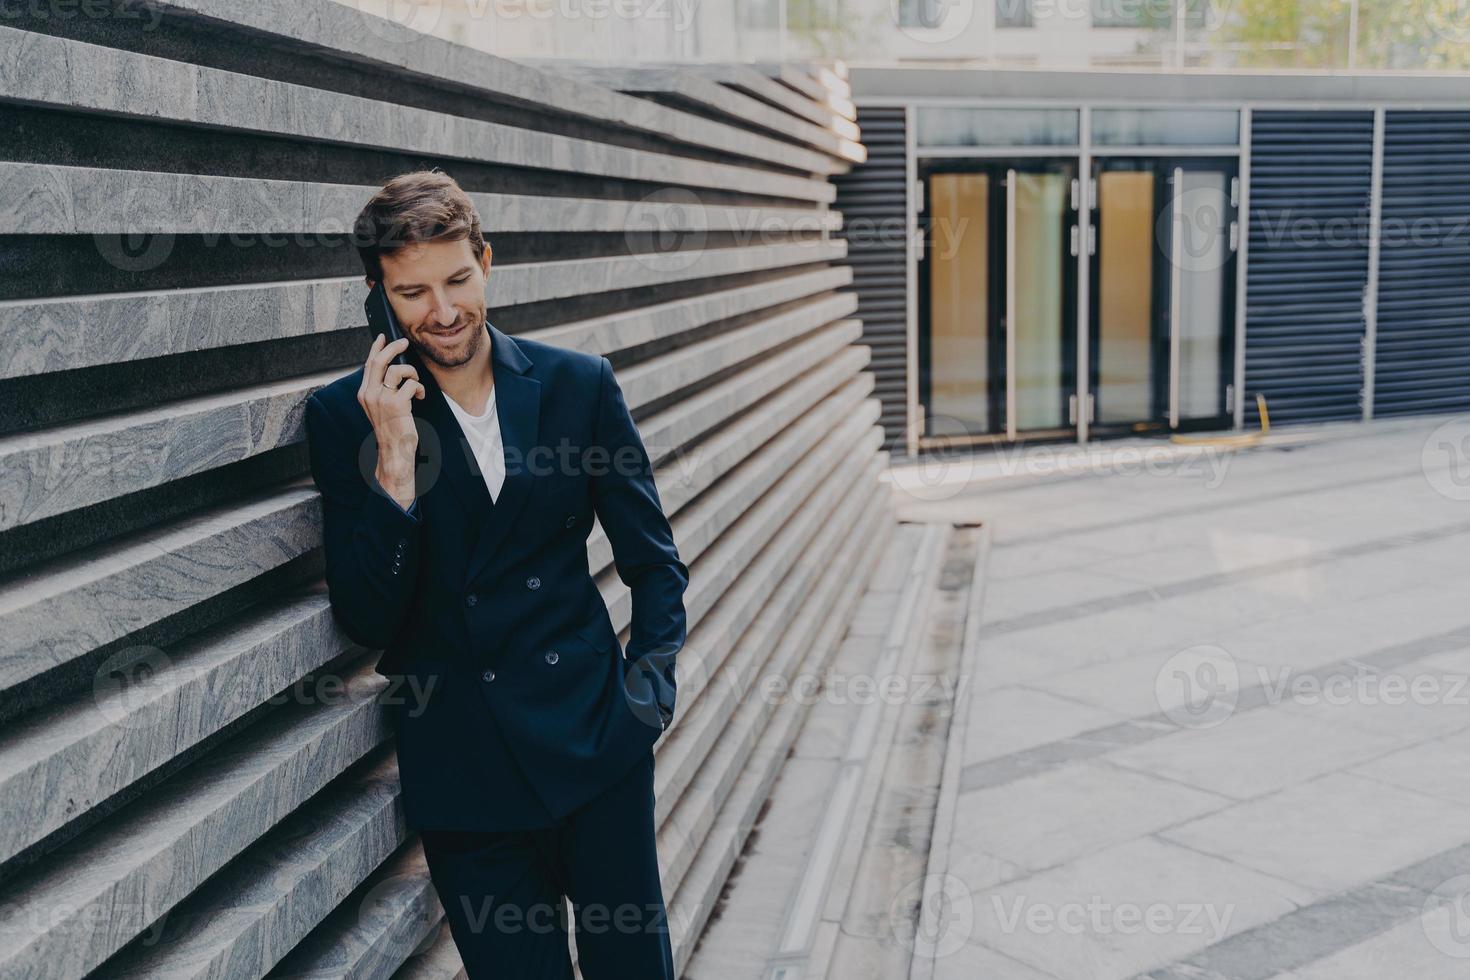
{"type": "Point", "coordinates": [1213, 724]}
{"type": "Point", "coordinates": [1220, 724]}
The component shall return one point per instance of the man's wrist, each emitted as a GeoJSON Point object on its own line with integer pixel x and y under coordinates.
{"type": "Point", "coordinates": [401, 489]}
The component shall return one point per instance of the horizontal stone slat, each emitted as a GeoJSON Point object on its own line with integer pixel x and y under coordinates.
{"type": "Point", "coordinates": [373, 933]}
{"type": "Point", "coordinates": [78, 332]}
{"type": "Point", "coordinates": [56, 612]}
{"type": "Point", "coordinates": [40, 199]}
{"type": "Point", "coordinates": [247, 917]}
{"type": "Point", "coordinates": [73, 76]}
{"type": "Point", "coordinates": [438, 960]}
{"type": "Point", "coordinates": [79, 753]}
{"type": "Point", "coordinates": [747, 79]}
{"type": "Point", "coordinates": [691, 417]}
{"type": "Point", "coordinates": [53, 471]}
{"type": "Point", "coordinates": [730, 448]}
{"type": "Point", "coordinates": [674, 81]}
{"type": "Point", "coordinates": [84, 901]}
{"type": "Point", "coordinates": [662, 321]}
{"type": "Point", "coordinates": [661, 376]}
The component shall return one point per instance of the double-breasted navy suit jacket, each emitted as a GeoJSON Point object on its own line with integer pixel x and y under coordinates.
{"type": "Point", "coordinates": [512, 700]}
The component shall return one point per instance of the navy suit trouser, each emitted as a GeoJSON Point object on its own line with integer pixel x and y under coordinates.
{"type": "Point", "coordinates": [502, 891]}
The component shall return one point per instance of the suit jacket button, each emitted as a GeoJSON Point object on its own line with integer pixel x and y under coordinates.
{"type": "Point", "coordinates": [571, 520]}
{"type": "Point", "coordinates": [533, 582]}
{"type": "Point", "coordinates": [471, 599]}
{"type": "Point", "coordinates": [488, 676]}
{"type": "Point", "coordinates": [551, 656]}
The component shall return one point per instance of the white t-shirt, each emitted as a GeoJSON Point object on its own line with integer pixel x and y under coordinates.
{"type": "Point", "coordinates": [483, 433]}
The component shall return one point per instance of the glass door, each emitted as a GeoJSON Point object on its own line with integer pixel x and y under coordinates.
{"type": "Point", "coordinates": [1163, 299]}
{"type": "Point", "coordinates": [997, 355]}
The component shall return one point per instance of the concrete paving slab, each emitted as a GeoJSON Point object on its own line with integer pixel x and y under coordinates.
{"type": "Point", "coordinates": [1330, 833]}
{"type": "Point", "coordinates": [1075, 810]}
{"type": "Point", "coordinates": [1125, 909]}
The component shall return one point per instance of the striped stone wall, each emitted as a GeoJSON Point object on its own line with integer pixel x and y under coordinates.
{"type": "Point", "coordinates": [195, 775]}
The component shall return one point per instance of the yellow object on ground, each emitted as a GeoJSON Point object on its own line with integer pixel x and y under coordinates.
{"type": "Point", "coordinates": [1241, 439]}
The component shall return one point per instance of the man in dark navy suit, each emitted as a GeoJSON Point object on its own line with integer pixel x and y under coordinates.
{"type": "Point", "coordinates": [458, 545]}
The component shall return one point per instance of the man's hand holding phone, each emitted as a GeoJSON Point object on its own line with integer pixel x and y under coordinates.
{"type": "Point", "coordinates": [386, 395]}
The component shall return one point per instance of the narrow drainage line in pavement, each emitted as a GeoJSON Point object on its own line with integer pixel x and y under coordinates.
{"type": "Point", "coordinates": [936, 904]}
{"type": "Point", "coordinates": [789, 962]}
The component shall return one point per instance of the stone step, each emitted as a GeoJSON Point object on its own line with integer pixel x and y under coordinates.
{"type": "Point", "coordinates": [870, 927]}
{"type": "Point", "coordinates": [802, 859]}
{"type": "Point", "coordinates": [701, 885]}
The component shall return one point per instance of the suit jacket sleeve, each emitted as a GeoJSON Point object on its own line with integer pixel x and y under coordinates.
{"type": "Point", "coordinates": [625, 498]}
{"type": "Point", "coordinates": [371, 543]}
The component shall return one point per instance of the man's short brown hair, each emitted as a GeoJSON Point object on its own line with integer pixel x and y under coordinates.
{"type": "Point", "coordinates": [413, 208]}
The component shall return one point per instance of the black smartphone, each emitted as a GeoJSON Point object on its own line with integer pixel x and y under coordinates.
{"type": "Point", "coordinates": [381, 319]}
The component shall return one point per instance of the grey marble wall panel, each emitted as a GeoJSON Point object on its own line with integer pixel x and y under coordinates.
{"type": "Point", "coordinates": [74, 76]}
{"type": "Point", "coordinates": [372, 933]}
{"type": "Point", "coordinates": [385, 44]}
{"type": "Point", "coordinates": [713, 650]}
